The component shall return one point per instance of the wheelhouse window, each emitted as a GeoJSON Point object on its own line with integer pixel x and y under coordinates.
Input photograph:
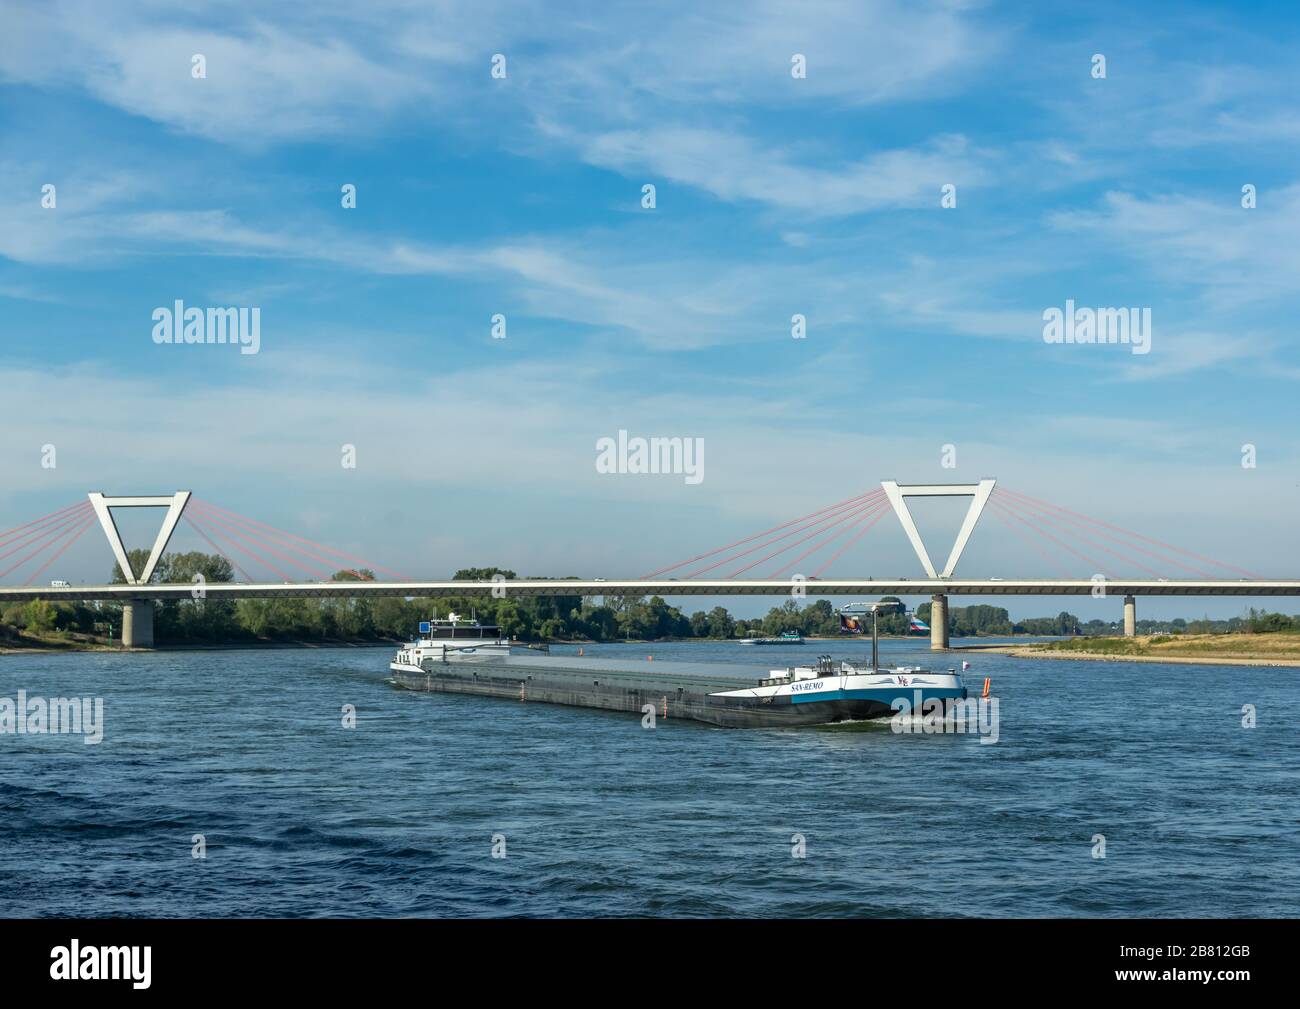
{"type": "Point", "coordinates": [461, 633]}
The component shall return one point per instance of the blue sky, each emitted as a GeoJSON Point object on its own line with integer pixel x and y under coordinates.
{"type": "Point", "coordinates": [775, 196]}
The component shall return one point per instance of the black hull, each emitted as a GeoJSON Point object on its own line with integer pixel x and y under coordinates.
{"type": "Point", "coordinates": [609, 691]}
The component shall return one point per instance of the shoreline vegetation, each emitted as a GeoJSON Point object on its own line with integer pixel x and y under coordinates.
{"type": "Point", "coordinates": [41, 625]}
{"type": "Point", "coordinates": [1261, 648]}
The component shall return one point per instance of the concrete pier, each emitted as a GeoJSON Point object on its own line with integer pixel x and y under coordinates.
{"type": "Point", "coordinates": [938, 623]}
{"type": "Point", "coordinates": [1130, 617]}
{"type": "Point", "coordinates": [137, 623]}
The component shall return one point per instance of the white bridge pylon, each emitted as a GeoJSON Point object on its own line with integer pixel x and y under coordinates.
{"type": "Point", "coordinates": [174, 503]}
{"type": "Point", "coordinates": [977, 492]}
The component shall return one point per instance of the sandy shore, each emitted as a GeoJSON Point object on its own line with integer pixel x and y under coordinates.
{"type": "Point", "coordinates": [1208, 660]}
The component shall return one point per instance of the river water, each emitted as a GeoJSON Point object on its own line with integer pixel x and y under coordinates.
{"type": "Point", "coordinates": [595, 815]}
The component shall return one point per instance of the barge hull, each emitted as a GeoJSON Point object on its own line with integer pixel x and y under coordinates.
{"type": "Point", "coordinates": [672, 696]}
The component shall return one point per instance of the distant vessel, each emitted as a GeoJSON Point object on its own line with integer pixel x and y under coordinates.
{"type": "Point", "coordinates": [785, 638]}
{"type": "Point", "coordinates": [465, 657]}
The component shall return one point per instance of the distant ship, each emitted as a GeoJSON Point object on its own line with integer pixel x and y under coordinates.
{"type": "Point", "coordinates": [465, 657]}
{"type": "Point", "coordinates": [785, 638]}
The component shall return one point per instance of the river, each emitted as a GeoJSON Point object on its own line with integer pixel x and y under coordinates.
{"type": "Point", "coordinates": [595, 815]}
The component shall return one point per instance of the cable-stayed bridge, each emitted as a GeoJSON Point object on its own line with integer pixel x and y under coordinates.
{"type": "Point", "coordinates": [794, 555]}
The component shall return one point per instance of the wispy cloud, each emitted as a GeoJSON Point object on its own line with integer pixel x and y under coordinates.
{"type": "Point", "coordinates": [735, 167]}
{"type": "Point", "coordinates": [1233, 255]}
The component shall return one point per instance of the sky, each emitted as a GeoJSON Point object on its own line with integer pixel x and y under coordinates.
{"type": "Point", "coordinates": [777, 193]}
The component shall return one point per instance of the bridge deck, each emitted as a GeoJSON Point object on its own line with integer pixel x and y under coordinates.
{"type": "Point", "coordinates": [798, 589]}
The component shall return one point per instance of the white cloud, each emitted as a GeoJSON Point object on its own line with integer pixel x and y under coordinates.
{"type": "Point", "coordinates": [735, 167]}
{"type": "Point", "coordinates": [276, 76]}
{"type": "Point", "coordinates": [1235, 256]}
{"type": "Point", "coordinates": [265, 84]}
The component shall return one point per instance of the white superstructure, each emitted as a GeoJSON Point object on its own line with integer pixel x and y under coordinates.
{"type": "Point", "coordinates": [828, 680]}
{"type": "Point", "coordinates": [452, 640]}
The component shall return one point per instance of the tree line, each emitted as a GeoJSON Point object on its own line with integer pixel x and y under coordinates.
{"type": "Point", "coordinates": [527, 618]}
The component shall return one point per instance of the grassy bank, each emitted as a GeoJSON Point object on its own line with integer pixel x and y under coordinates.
{"type": "Point", "coordinates": [1282, 648]}
{"type": "Point", "coordinates": [19, 642]}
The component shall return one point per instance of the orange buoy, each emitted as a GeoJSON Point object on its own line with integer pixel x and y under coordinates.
{"type": "Point", "coordinates": [987, 681]}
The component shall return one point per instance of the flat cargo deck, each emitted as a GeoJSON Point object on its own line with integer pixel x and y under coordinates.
{"type": "Point", "coordinates": [670, 689]}
{"type": "Point", "coordinates": [702, 676]}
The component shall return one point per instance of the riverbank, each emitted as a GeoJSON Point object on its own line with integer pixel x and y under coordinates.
{"type": "Point", "coordinates": [31, 645]}
{"type": "Point", "coordinates": [1268, 649]}
{"type": "Point", "coordinates": [28, 644]}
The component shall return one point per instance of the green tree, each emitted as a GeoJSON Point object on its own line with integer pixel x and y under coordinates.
{"type": "Point", "coordinates": [720, 623]}
{"type": "Point", "coordinates": [600, 623]}
{"type": "Point", "coordinates": [38, 616]}
{"type": "Point", "coordinates": [353, 575]}
{"type": "Point", "coordinates": [137, 559]}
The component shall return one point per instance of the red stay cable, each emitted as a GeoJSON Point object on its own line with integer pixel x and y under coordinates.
{"type": "Point", "coordinates": [261, 544]}
{"type": "Point", "coordinates": [229, 560]}
{"type": "Point", "coordinates": [788, 546]}
{"type": "Point", "coordinates": [775, 539]}
{"type": "Point", "coordinates": [1126, 532]}
{"type": "Point", "coordinates": [58, 553]}
{"type": "Point", "coordinates": [1060, 521]}
{"type": "Point", "coordinates": [1016, 506]}
{"type": "Point", "coordinates": [855, 520]}
{"type": "Point", "coordinates": [260, 560]}
{"type": "Point", "coordinates": [319, 546]}
{"type": "Point", "coordinates": [71, 518]}
{"type": "Point", "coordinates": [8, 533]}
{"type": "Point", "coordinates": [747, 539]}
{"type": "Point", "coordinates": [1019, 518]}
{"type": "Point", "coordinates": [857, 536]}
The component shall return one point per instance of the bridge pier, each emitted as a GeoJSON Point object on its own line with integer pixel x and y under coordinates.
{"type": "Point", "coordinates": [1130, 617]}
{"type": "Point", "coordinates": [938, 623]}
{"type": "Point", "coordinates": [137, 623]}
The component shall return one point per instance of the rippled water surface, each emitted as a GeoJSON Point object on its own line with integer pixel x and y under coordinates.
{"type": "Point", "coordinates": [602, 817]}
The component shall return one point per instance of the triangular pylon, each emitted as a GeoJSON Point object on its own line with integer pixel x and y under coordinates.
{"type": "Point", "coordinates": [175, 504]}
{"type": "Point", "coordinates": [977, 492]}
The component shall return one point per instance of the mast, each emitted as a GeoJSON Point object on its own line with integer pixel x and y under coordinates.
{"type": "Point", "coordinates": [875, 639]}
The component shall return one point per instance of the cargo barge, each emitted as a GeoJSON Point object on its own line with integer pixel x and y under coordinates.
{"type": "Point", "coordinates": [465, 657]}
